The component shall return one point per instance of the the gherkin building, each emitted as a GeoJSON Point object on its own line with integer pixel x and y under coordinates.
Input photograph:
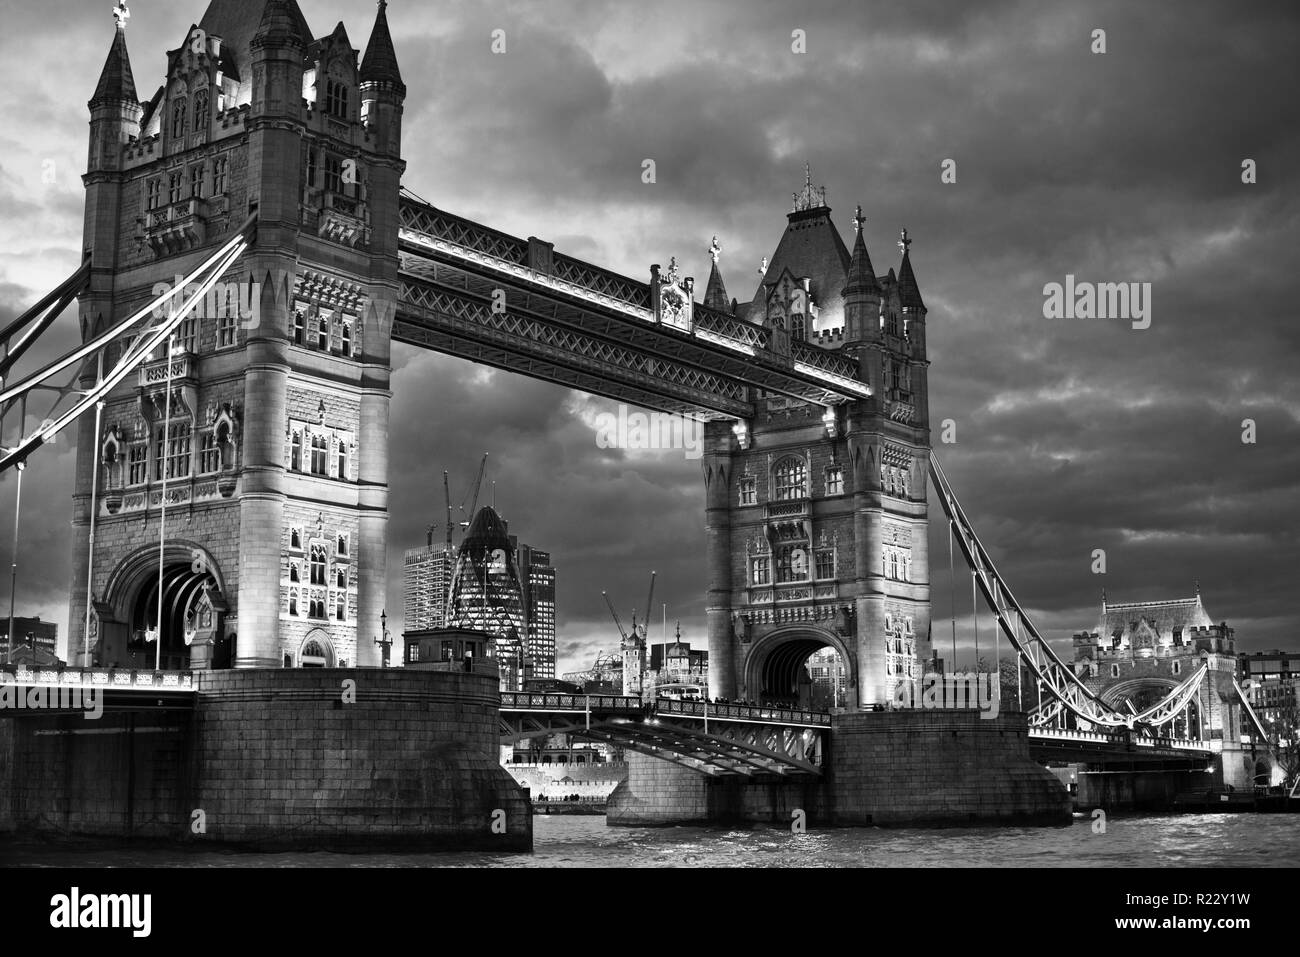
{"type": "Point", "coordinates": [486, 594]}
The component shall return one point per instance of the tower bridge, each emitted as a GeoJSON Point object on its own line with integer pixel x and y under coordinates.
{"type": "Point", "coordinates": [266, 170]}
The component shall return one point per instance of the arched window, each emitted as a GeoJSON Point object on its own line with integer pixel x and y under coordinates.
{"type": "Point", "coordinates": [316, 608]}
{"type": "Point", "coordinates": [200, 109]}
{"type": "Point", "coordinates": [341, 579]}
{"type": "Point", "coordinates": [293, 602]}
{"type": "Point", "coordinates": [342, 466]}
{"type": "Point", "coordinates": [323, 334]}
{"type": "Point", "coordinates": [295, 539]}
{"type": "Point", "coordinates": [797, 327]}
{"type": "Point", "coordinates": [342, 549]}
{"type": "Point", "coordinates": [791, 479]}
{"type": "Point", "coordinates": [347, 338]}
{"type": "Point", "coordinates": [295, 458]}
{"type": "Point", "coordinates": [178, 117]}
{"type": "Point", "coordinates": [299, 327]}
{"type": "Point", "coordinates": [319, 455]}
{"type": "Point", "coordinates": [336, 99]}
{"type": "Point", "coordinates": [318, 565]}
{"type": "Point", "coordinates": [293, 572]}
{"type": "Point", "coordinates": [341, 608]}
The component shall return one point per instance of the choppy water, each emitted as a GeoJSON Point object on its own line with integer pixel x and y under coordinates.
{"type": "Point", "coordinates": [1202, 840]}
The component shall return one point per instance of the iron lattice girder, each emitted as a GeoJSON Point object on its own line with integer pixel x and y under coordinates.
{"type": "Point", "coordinates": [435, 245]}
{"type": "Point", "coordinates": [453, 321]}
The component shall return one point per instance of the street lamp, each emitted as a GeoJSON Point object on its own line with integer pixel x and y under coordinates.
{"type": "Point", "coordinates": [385, 643]}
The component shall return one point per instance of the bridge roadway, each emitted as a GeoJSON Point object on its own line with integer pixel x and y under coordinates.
{"type": "Point", "coordinates": [714, 739]}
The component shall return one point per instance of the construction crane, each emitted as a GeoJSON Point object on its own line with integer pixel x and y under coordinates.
{"type": "Point", "coordinates": [649, 603]}
{"type": "Point", "coordinates": [621, 631]}
{"type": "Point", "coordinates": [446, 494]}
{"type": "Point", "coordinates": [478, 483]}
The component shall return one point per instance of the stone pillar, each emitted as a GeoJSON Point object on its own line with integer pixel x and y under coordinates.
{"type": "Point", "coordinates": [261, 503]}
{"type": "Point", "coordinates": [869, 621]}
{"type": "Point", "coordinates": [717, 523]}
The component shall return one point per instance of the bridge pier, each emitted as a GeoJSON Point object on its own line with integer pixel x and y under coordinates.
{"type": "Point", "coordinates": [883, 769]}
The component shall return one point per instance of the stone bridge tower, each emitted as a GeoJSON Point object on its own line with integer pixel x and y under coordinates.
{"type": "Point", "coordinates": [275, 458]}
{"type": "Point", "coordinates": [816, 515]}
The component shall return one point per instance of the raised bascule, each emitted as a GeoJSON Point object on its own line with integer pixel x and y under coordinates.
{"type": "Point", "coordinates": [250, 256]}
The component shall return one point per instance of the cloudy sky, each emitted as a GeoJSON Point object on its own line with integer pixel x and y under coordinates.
{"type": "Point", "coordinates": [1072, 434]}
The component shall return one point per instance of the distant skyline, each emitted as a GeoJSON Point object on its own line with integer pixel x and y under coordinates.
{"type": "Point", "coordinates": [1071, 434]}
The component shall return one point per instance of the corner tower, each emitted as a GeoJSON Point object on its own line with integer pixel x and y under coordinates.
{"type": "Point", "coordinates": [275, 461]}
{"type": "Point", "coordinates": [817, 515]}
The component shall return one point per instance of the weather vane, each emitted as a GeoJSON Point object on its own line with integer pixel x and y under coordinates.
{"type": "Point", "coordinates": [905, 241]}
{"type": "Point", "coordinates": [121, 14]}
{"type": "Point", "coordinates": [858, 220]}
{"type": "Point", "coordinates": [715, 250]}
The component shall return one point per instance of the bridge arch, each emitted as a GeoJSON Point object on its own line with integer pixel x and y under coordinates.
{"type": "Point", "coordinates": [774, 667]}
{"type": "Point", "coordinates": [192, 587]}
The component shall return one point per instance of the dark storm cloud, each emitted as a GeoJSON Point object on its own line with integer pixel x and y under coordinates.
{"type": "Point", "coordinates": [1072, 434]}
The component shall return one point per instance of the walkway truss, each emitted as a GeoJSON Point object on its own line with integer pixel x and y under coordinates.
{"type": "Point", "coordinates": [717, 740]}
{"type": "Point", "coordinates": [136, 337]}
{"type": "Point", "coordinates": [1067, 693]}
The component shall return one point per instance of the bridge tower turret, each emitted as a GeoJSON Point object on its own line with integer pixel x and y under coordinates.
{"type": "Point", "coordinates": [276, 462]}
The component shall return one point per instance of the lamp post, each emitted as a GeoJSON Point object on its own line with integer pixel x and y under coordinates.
{"type": "Point", "coordinates": [385, 643]}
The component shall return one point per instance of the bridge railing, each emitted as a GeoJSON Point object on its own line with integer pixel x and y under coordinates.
{"type": "Point", "coordinates": [1099, 737]}
{"type": "Point", "coordinates": [534, 701]}
{"type": "Point", "coordinates": [111, 679]}
{"type": "Point", "coordinates": [699, 709]}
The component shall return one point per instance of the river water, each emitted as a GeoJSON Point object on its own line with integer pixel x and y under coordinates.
{"type": "Point", "coordinates": [1185, 840]}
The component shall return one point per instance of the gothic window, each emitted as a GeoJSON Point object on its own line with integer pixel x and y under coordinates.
{"type": "Point", "coordinates": [318, 564]}
{"type": "Point", "coordinates": [893, 564]}
{"type": "Point", "coordinates": [345, 336]}
{"type": "Point", "coordinates": [762, 570]}
{"type": "Point", "coordinates": [341, 608]}
{"type": "Point", "coordinates": [219, 168]}
{"type": "Point", "coordinates": [209, 454]}
{"type": "Point", "coordinates": [341, 578]}
{"type": "Point", "coordinates": [299, 326]}
{"type": "Point", "coordinates": [200, 109]}
{"type": "Point", "coordinates": [333, 174]}
{"type": "Point", "coordinates": [336, 99]}
{"type": "Point", "coordinates": [311, 167]}
{"type": "Point", "coordinates": [825, 564]}
{"type": "Point", "coordinates": [791, 479]}
{"type": "Point", "coordinates": [196, 181]}
{"type": "Point", "coordinates": [319, 455]}
{"type": "Point", "coordinates": [295, 539]}
{"type": "Point", "coordinates": [315, 609]}
{"type": "Point", "coordinates": [177, 457]}
{"type": "Point", "coordinates": [891, 322]}
{"type": "Point", "coordinates": [336, 336]}
{"type": "Point", "coordinates": [791, 564]}
{"type": "Point", "coordinates": [834, 480]}
{"type": "Point", "coordinates": [342, 547]}
{"type": "Point", "coordinates": [137, 464]}
{"type": "Point", "coordinates": [295, 462]}
{"type": "Point", "coordinates": [293, 572]}
{"type": "Point", "coordinates": [293, 602]}
{"type": "Point", "coordinates": [154, 191]}
{"type": "Point", "coordinates": [1177, 667]}
{"type": "Point", "coordinates": [174, 188]}
{"type": "Point", "coordinates": [323, 332]}
{"type": "Point", "coordinates": [797, 327]}
{"type": "Point", "coordinates": [1114, 671]}
{"type": "Point", "coordinates": [178, 118]}
{"type": "Point", "coordinates": [187, 335]}
{"type": "Point", "coordinates": [227, 321]}
{"type": "Point", "coordinates": [748, 492]}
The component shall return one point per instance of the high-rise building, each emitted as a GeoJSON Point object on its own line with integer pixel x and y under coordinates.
{"type": "Point", "coordinates": [426, 584]}
{"type": "Point", "coordinates": [537, 576]}
{"type": "Point", "coordinates": [487, 594]}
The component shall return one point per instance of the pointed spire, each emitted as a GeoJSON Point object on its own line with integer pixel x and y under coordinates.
{"type": "Point", "coordinates": [279, 24]}
{"type": "Point", "coordinates": [909, 293]}
{"type": "Point", "coordinates": [379, 65]}
{"type": "Point", "coordinates": [715, 294]}
{"type": "Point", "coordinates": [116, 81]}
{"type": "Point", "coordinates": [861, 277]}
